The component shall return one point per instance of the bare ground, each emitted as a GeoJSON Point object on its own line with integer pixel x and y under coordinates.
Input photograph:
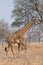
{"type": "Point", "coordinates": [34, 55]}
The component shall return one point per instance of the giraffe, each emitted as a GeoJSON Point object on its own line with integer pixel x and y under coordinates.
{"type": "Point", "coordinates": [18, 35]}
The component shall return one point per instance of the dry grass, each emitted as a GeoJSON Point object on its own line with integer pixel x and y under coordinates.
{"type": "Point", "coordinates": [34, 55]}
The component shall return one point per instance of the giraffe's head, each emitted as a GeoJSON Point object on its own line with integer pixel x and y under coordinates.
{"type": "Point", "coordinates": [36, 20]}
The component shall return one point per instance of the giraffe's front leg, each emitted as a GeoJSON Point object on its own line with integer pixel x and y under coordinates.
{"type": "Point", "coordinates": [23, 44]}
{"type": "Point", "coordinates": [18, 48]}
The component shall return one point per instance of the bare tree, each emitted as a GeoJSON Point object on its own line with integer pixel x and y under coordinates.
{"type": "Point", "coordinates": [4, 30]}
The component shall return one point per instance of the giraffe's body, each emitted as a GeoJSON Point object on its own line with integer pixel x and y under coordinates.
{"type": "Point", "coordinates": [19, 35]}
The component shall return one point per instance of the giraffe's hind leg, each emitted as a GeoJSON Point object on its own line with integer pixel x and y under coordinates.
{"type": "Point", "coordinates": [18, 42]}
{"type": "Point", "coordinates": [12, 49]}
{"type": "Point", "coordinates": [7, 49]}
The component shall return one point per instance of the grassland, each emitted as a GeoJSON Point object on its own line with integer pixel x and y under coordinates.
{"type": "Point", "coordinates": [33, 56]}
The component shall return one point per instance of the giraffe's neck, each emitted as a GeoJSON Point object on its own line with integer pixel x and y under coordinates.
{"type": "Point", "coordinates": [25, 28]}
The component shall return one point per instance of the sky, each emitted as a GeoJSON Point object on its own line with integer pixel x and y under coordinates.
{"type": "Point", "coordinates": [6, 7]}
